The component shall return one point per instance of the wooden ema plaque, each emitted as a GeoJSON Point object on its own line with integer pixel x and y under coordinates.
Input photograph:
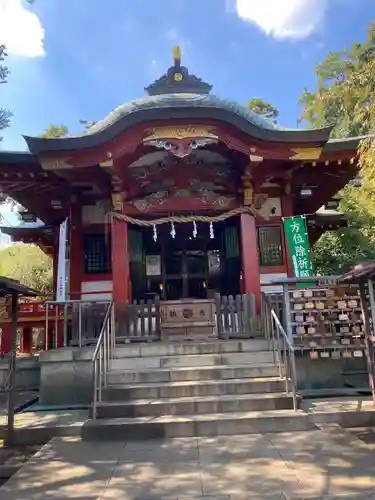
{"type": "Point", "coordinates": [187, 319]}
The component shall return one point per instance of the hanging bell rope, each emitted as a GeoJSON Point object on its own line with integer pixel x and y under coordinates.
{"type": "Point", "coordinates": [182, 219]}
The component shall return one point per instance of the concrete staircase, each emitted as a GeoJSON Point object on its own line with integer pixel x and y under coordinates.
{"type": "Point", "coordinates": [197, 389]}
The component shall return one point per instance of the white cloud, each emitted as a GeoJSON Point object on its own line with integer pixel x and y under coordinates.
{"type": "Point", "coordinates": [20, 29]}
{"type": "Point", "coordinates": [172, 34]}
{"type": "Point", "coordinates": [283, 18]}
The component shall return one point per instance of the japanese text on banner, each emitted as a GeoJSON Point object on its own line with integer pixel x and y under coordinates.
{"type": "Point", "coordinates": [298, 246]}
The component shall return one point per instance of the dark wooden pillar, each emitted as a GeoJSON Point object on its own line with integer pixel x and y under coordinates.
{"type": "Point", "coordinates": [5, 338]}
{"type": "Point", "coordinates": [250, 258]}
{"type": "Point", "coordinates": [26, 339]}
{"type": "Point", "coordinates": [120, 262]}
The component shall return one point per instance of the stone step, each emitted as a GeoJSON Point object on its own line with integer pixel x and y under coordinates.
{"type": "Point", "coordinates": [160, 349]}
{"type": "Point", "coordinates": [192, 360]}
{"type": "Point", "coordinates": [168, 426]}
{"type": "Point", "coordinates": [193, 388]}
{"type": "Point", "coordinates": [195, 405]}
{"type": "Point", "coordinates": [186, 373]}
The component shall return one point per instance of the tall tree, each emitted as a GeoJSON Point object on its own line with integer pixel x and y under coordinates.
{"type": "Point", "coordinates": [346, 84]}
{"type": "Point", "coordinates": [344, 97]}
{"type": "Point", "coordinates": [263, 108]}
{"type": "Point", "coordinates": [28, 264]}
{"type": "Point", "coordinates": [5, 115]}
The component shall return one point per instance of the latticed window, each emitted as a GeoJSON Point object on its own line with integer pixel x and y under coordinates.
{"type": "Point", "coordinates": [270, 246]}
{"type": "Point", "coordinates": [97, 251]}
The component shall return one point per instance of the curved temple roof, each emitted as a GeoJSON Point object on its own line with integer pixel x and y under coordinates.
{"type": "Point", "coordinates": [178, 106]}
{"type": "Point", "coordinates": [178, 95]}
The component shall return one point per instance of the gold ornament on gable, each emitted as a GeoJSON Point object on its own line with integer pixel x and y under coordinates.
{"type": "Point", "coordinates": [117, 202]}
{"type": "Point", "coordinates": [55, 164]}
{"type": "Point", "coordinates": [189, 132]}
{"type": "Point", "coordinates": [106, 164]}
{"type": "Point", "coordinates": [306, 153]}
{"type": "Point", "coordinates": [256, 158]}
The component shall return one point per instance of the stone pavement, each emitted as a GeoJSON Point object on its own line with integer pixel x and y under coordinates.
{"type": "Point", "coordinates": [20, 398]}
{"type": "Point", "coordinates": [318, 464]}
{"type": "Point", "coordinates": [40, 426]}
{"type": "Point", "coordinates": [39, 419]}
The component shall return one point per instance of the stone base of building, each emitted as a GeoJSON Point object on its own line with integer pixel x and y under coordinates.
{"type": "Point", "coordinates": [66, 374]}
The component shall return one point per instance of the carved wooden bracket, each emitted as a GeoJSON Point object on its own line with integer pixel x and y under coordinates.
{"type": "Point", "coordinates": [55, 164]}
{"type": "Point", "coordinates": [117, 202]}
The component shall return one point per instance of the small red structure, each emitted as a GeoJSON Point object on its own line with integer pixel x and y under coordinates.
{"type": "Point", "coordinates": [196, 187]}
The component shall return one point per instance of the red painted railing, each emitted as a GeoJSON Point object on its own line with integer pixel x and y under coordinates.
{"type": "Point", "coordinates": [32, 314]}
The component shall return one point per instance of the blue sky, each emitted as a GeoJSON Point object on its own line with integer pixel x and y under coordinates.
{"type": "Point", "coordinates": [79, 59]}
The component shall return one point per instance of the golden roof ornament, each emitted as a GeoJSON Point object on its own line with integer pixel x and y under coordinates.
{"type": "Point", "coordinates": [178, 80]}
{"type": "Point", "coordinates": [176, 51]}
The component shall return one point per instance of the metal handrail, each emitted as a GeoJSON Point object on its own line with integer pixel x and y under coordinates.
{"type": "Point", "coordinates": [55, 316]}
{"type": "Point", "coordinates": [102, 356]}
{"type": "Point", "coordinates": [279, 342]}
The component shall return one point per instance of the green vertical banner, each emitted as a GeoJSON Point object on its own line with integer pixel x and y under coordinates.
{"type": "Point", "coordinates": [298, 246]}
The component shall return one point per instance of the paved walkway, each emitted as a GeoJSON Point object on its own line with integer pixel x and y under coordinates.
{"type": "Point", "coordinates": [38, 419]}
{"type": "Point", "coordinates": [74, 418]}
{"type": "Point", "coordinates": [321, 463]}
{"type": "Point", "coordinates": [20, 398]}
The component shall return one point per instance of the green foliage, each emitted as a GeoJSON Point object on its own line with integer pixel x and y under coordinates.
{"type": "Point", "coordinates": [27, 264]}
{"type": "Point", "coordinates": [5, 115]}
{"type": "Point", "coordinates": [55, 131]}
{"type": "Point", "coordinates": [337, 251]}
{"type": "Point", "coordinates": [263, 108]}
{"type": "Point", "coordinates": [4, 70]}
{"type": "Point", "coordinates": [346, 83]}
{"type": "Point", "coordinates": [344, 98]}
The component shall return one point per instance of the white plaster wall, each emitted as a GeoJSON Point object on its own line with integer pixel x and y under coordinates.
{"type": "Point", "coordinates": [268, 205]}
{"type": "Point", "coordinates": [97, 286]}
{"type": "Point", "coordinates": [267, 278]}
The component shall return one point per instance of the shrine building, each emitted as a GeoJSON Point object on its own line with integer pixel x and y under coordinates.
{"type": "Point", "coordinates": [179, 194]}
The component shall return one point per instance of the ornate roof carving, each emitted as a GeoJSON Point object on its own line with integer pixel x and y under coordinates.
{"type": "Point", "coordinates": [178, 80]}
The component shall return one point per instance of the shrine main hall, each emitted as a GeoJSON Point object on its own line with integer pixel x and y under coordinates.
{"type": "Point", "coordinates": [179, 194]}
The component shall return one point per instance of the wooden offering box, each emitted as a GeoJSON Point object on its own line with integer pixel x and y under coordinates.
{"type": "Point", "coordinates": [187, 319]}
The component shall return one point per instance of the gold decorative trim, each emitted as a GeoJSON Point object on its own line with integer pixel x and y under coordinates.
{"type": "Point", "coordinates": [55, 164]}
{"type": "Point", "coordinates": [256, 158]}
{"type": "Point", "coordinates": [191, 131]}
{"type": "Point", "coordinates": [106, 164]}
{"type": "Point", "coordinates": [306, 153]}
{"type": "Point", "coordinates": [117, 202]}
